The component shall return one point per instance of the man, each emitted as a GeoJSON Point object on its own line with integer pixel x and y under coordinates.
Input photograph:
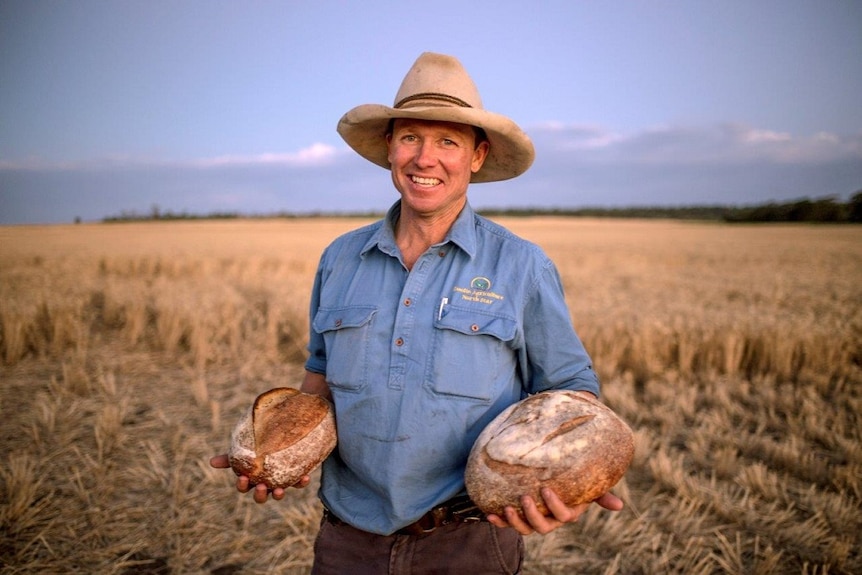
{"type": "Point", "coordinates": [424, 327]}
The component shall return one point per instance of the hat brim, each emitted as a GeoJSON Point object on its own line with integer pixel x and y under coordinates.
{"type": "Point", "coordinates": [510, 154]}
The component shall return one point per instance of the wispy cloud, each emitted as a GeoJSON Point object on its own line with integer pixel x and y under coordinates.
{"type": "Point", "coordinates": [315, 155]}
{"type": "Point", "coordinates": [729, 143]}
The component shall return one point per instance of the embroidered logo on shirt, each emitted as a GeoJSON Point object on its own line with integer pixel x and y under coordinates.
{"type": "Point", "coordinates": [479, 291]}
{"type": "Point", "coordinates": [481, 283]}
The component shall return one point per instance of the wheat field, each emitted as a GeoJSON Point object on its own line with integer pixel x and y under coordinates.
{"type": "Point", "coordinates": [128, 351]}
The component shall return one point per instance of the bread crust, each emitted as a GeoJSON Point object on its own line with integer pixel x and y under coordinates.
{"type": "Point", "coordinates": [565, 440]}
{"type": "Point", "coordinates": [284, 435]}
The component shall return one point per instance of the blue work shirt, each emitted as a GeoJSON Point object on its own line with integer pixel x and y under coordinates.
{"type": "Point", "coordinates": [420, 361]}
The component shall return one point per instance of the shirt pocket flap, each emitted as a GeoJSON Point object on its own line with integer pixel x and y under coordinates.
{"type": "Point", "coordinates": [472, 322]}
{"type": "Point", "coordinates": [331, 319]}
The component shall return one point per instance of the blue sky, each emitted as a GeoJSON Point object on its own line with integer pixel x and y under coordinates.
{"type": "Point", "coordinates": [206, 106]}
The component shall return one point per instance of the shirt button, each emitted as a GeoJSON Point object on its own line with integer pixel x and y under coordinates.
{"type": "Point", "coordinates": [441, 253]}
{"type": "Point", "coordinates": [399, 342]}
{"type": "Point", "coordinates": [338, 323]}
{"type": "Point", "coordinates": [407, 302]}
{"type": "Point", "coordinates": [474, 327]}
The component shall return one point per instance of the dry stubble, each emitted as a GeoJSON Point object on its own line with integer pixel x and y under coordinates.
{"type": "Point", "coordinates": [129, 351]}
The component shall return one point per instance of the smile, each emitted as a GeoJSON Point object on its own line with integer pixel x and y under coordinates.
{"type": "Point", "coordinates": [425, 181]}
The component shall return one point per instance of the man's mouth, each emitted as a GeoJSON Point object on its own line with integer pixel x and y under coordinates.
{"type": "Point", "coordinates": [424, 181]}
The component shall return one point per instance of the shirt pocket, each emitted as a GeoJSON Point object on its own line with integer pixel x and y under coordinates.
{"type": "Point", "coordinates": [471, 355]}
{"type": "Point", "coordinates": [346, 331]}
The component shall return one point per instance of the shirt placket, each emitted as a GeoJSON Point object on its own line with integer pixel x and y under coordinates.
{"type": "Point", "coordinates": [414, 301]}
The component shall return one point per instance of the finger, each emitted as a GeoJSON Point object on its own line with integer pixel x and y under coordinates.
{"type": "Point", "coordinates": [220, 461]}
{"type": "Point", "coordinates": [243, 484]}
{"type": "Point", "coordinates": [610, 502]}
{"type": "Point", "coordinates": [538, 522]}
{"type": "Point", "coordinates": [278, 493]}
{"type": "Point", "coordinates": [559, 509]}
{"type": "Point", "coordinates": [303, 482]}
{"type": "Point", "coordinates": [555, 505]}
{"type": "Point", "coordinates": [496, 520]}
{"type": "Point", "coordinates": [514, 519]}
{"type": "Point", "coordinates": [261, 493]}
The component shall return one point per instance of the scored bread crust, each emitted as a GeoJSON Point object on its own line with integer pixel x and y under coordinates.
{"type": "Point", "coordinates": [565, 440]}
{"type": "Point", "coordinates": [284, 435]}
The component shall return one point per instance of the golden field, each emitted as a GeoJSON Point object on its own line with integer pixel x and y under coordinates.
{"type": "Point", "coordinates": [128, 351]}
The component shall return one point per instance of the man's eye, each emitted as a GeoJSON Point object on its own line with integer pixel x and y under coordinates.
{"type": "Point", "coordinates": [409, 138]}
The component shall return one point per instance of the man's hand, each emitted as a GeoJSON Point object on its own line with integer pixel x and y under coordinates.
{"type": "Point", "coordinates": [261, 491]}
{"type": "Point", "coordinates": [534, 522]}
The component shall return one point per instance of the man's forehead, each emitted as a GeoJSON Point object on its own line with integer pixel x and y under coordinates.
{"type": "Point", "coordinates": [440, 125]}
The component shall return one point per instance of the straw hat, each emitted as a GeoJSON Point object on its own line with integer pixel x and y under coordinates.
{"type": "Point", "coordinates": [438, 87]}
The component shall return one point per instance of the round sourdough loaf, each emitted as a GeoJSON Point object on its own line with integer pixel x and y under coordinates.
{"type": "Point", "coordinates": [565, 440]}
{"type": "Point", "coordinates": [286, 434]}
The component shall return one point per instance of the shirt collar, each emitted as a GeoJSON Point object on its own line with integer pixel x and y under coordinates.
{"type": "Point", "coordinates": [462, 233]}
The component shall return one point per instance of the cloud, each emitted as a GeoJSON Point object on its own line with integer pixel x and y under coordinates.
{"type": "Point", "coordinates": [727, 164]}
{"type": "Point", "coordinates": [721, 144]}
{"type": "Point", "coordinates": [753, 136]}
{"type": "Point", "coordinates": [576, 138]}
{"type": "Point", "coordinates": [315, 155]}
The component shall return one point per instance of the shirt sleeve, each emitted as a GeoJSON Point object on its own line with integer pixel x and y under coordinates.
{"type": "Point", "coordinates": [553, 355]}
{"type": "Point", "coordinates": [316, 361]}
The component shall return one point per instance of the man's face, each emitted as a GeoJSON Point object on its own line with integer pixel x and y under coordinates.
{"type": "Point", "coordinates": [432, 163]}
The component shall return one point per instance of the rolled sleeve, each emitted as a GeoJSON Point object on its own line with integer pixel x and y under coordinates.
{"type": "Point", "coordinates": [555, 356]}
{"type": "Point", "coordinates": [316, 361]}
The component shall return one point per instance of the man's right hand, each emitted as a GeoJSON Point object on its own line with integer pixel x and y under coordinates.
{"type": "Point", "coordinates": [261, 491]}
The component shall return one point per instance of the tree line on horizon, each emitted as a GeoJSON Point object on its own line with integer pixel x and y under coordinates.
{"type": "Point", "coordinates": [821, 210]}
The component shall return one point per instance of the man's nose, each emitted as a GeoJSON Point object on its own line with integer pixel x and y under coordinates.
{"type": "Point", "coordinates": [425, 154]}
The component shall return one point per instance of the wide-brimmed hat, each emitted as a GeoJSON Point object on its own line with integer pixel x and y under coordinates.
{"type": "Point", "coordinates": [438, 87]}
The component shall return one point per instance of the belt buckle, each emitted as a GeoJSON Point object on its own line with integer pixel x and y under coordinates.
{"type": "Point", "coordinates": [458, 510]}
{"type": "Point", "coordinates": [426, 524]}
{"type": "Point", "coordinates": [466, 511]}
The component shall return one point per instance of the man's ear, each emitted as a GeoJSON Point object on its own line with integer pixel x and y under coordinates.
{"type": "Point", "coordinates": [388, 146]}
{"type": "Point", "coordinates": [479, 156]}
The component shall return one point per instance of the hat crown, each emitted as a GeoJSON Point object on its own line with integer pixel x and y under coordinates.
{"type": "Point", "coordinates": [437, 80]}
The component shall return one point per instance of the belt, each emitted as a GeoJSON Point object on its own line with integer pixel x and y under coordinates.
{"type": "Point", "coordinates": [457, 510]}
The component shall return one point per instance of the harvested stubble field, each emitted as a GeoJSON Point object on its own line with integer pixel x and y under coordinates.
{"type": "Point", "coordinates": [128, 352]}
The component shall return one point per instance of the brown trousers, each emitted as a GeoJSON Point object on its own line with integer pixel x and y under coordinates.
{"type": "Point", "coordinates": [472, 548]}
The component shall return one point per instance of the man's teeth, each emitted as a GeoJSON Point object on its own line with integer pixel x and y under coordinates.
{"type": "Point", "coordinates": [425, 181]}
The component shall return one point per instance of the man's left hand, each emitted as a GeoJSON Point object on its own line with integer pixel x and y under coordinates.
{"type": "Point", "coordinates": [533, 521]}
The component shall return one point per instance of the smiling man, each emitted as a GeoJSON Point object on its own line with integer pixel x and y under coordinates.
{"type": "Point", "coordinates": [424, 327]}
{"type": "Point", "coordinates": [431, 163]}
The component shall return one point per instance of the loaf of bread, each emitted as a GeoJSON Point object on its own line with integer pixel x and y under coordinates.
{"type": "Point", "coordinates": [564, 440]}
{"type": "Point", "coordinates": [284, 435]}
